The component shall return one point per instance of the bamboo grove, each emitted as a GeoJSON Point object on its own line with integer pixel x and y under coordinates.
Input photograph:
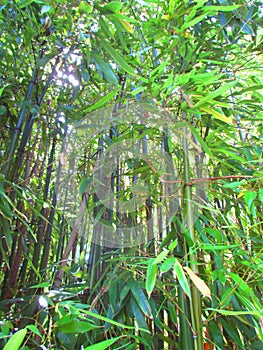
{"type": "Point", "coordinates": [131, 174]}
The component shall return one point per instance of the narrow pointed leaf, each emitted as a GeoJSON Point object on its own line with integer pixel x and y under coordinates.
{"type": "Point", "coordinates": [220, 91]}
{"type": "Point", "coordinates": [198, 282]}
{"type": "Point", "coordinates": [182, 278]}
{"type": "Point", "coordinates": [117, 57]}
{"type": "Point", "coordinates": [217, 115]}
{"type": "Point", "coordinates": [167, 265]}
{"type": "Point", "coordinates": [160, 257]}
{"type": "Point", "coordinates": [103, 345]}
{"type": "Point", "coordinates": [140, 298]}
{"type": "Point", "coordinates": [151, 277]}
{"type": "Point", "coordinates": [102, 101]}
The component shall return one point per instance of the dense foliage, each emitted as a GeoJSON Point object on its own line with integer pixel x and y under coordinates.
{"type": "Point", "coordinates": [131, 174]}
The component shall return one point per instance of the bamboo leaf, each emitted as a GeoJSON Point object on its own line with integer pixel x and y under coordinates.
{"type": "Point", "coordinates": [42, 285]}
{"type": "Point", "coordinates": [106, 319]}
{"type": "Point", "coordinates": [167, 265]}
{"type": "Point", "coordinates": [220, 91]}
{"type": "Point", "coordinates": [140, 298]}
{"type": "Point", "coordinates": [101, 102]}
{"type": "Point", "coordinates": [257, 313]}
{"type": "Point", "coordinates": [160, 257]}
{"type": "Point", "coordinates": [249, 197]}
{"type": "Point", "coordinates": [151, 277]}
{"type": "Point", "coordinates": [127, 26]}
{"type": "Point", "coordinates": [117, 57]}
{"type": "Point", "coordinates": [76, 326]}
{"type": "Point", "coordinates": [260, 195]}
{"type": "Point", "coordinates": [217, 115]}
{"type": "Point", "coordinates": [181, 278]}
{"type": "Point", "coordinates": [193, 22]}
{"type": "Point", "coordinates": [104, 344]}
{"type": "Point", "coordinates": [214, 247]}
{"type": "Point", "coordinates": [198, 282]}
{"type": "Point", "coordinates": [105, 69]}
{"type": "Point", "coordinates": [202, 143]}
{"type": "Point", "coordinates": [220, 8]}
{"type": "Point", "coordinates": [16, 340]}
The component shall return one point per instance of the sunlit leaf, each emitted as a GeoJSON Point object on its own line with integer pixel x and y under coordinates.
{"type": "Point", "coordinates": [85, 7]}
{"type": "Point", "coordinates": [167, 265]}
{"type": "Point", "coordinates": [127, 26]}
{"type": "Point", "coordinates": [181, 277]}
{"type": "Point", "coordinates": [198, 282]}
{"type": "Point", "coordinates": [217, 115]}
{"type": "Point", "coordinates": [104, 344]}
{"type": "Point", "coordinates": [160, 257]}
{"type": "Point", "coordinates": [16, 340]}
{"type": "Point", "coordinates": [249, 197]}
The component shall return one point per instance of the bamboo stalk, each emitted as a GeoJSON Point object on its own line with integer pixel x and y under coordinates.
{"type": "Point", "coordinates": [196, 311]}
{"type": "Point", "coordinates": [22, 116]}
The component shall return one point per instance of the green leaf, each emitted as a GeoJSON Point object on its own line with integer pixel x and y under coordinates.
{"type": "Point", "coordinates": [105, 69]}
{"type": "Point", "coordinates": [257, 313]}
{"type": "Point", "coordinates": [117, 57]}
{"type": "Point", "coordinates": [218, 92]}
{"type": "Point", "coordinates": [160, 257]}
{"type": "Point", "coordinates": [101, 102]}
{"type": "Point", "coordinates": [85, 8]}
{"type": "Point", "coordinates": [220, 8]}
{"type": "Point", "coordinates": [42, 285]}
{"type": "Point", "coordinates": [114, 6]}
{"type": "Point", "coordinates": [193, 22]}
{"type": "Point", "coordinates": [76, 326]}
{"type": "Point", "coordinates": [260, 195]}
{"type": "Point", "coordinates": [2, 109]}
{"type": "Point", "coordinates": [34, 330]}
{"type": "Point", "coordinates": [167, 265]}
{"type": "Point", "coordinates": [104, 344]}
{"type": "Point", "coordinates": [181, 278]}
{"type": "Point", "coordinates": [173, 245]}
{"type": "Point", "coordinates": [106, 319]}
{"type": "Point", "coordinates": [140, 298]}
{"type": "Point", "coordinates": [214, 247]}
{"type": "Point", "coordinates": [151, 277]}
{"type": "Point", "coordinates": [217, 115]}
{"type": "Point", "coordinates": [199, 138]}
{"type": "Point", "coordinates": [16, 340]}
{"type": "Point", "coordinates": [1, 90]}
{"type": "Point", "coordinates": [84, 185]}
{"type": "Point", "coordinates": [249, 197]}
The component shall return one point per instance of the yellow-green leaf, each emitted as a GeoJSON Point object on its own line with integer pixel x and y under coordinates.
{"type": "Point", "coordinates": [127, 26]}
{"type": "Point", "coordinates": [16, 340]}
{"type": "Point", "coordinates": [217, 115]}
{"type": "Point", "coordinates": [198, 282]}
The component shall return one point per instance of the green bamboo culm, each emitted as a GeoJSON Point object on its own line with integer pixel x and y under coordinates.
{"type": "Point", "coordinates": [195, 305]}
